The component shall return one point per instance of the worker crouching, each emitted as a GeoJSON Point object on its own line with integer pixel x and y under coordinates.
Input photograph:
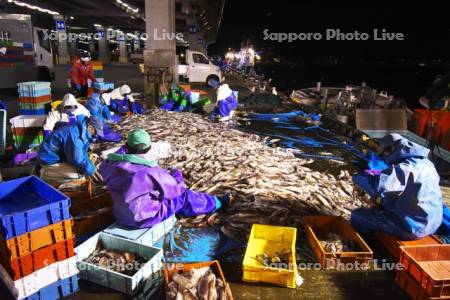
{"type": "Point", "coordinates": [226, 104]}
{"type": "Point", "coordinates": [145, 194]}
{"type": "Point", "coordinates": [63, 156]}
{"type": "Point", "coordinates": [408, 190]}
{"type": "Point", "coordinates": [98, 108]}
{"type": "Point", "coordinates": [123, 103]}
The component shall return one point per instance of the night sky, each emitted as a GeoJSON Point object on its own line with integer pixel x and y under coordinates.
{"type": "Point", "coordinates": [425, 24]}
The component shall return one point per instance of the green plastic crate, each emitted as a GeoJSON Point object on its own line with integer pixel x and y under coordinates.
{"type": "Point", "coordinates": [34, 106]}
{"type": "Point", "coordinates": [26, 142]}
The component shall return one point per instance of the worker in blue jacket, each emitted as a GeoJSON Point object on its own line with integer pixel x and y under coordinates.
{"type": "Point", "coordinates": [407, 190]}
{"type": "Point", "coordinates": [97, 108]}
{"type": "Point", "coordinates": [63, 155]}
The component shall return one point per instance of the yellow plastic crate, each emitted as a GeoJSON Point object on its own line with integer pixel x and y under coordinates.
{"type": "Point", "coordinates": [270, 239]}
{"type": "Point", "coordinates": [55, 104]}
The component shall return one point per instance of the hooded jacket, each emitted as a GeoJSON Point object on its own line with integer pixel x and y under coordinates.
{"type": "Point", "coordinates": [145, 196]}
{"type": "Point", "coordinates": [58, 115]}
{"type": "Point", "coordinates": [80, 73]}
{"type": "Point", "coordinates": [69, 144]}
{"type": "Point", "coordinates": [409, 188]}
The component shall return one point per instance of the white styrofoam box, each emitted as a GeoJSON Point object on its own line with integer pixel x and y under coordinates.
{"type": "Point", "coordinates": [195, 96]}
{"type": "Point", "coordinates": [438, 150]}
{"type": "Point", "coordinates": [144, 236]}
{"type": "Point", "coordinates": [114, 280]}
{"type": "Point", "coordinates": [32, 283]}
{"type": "Point", "coordinates": [27, 121]}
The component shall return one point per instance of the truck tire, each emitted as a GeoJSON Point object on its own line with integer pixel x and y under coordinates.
{"type": "Point", "coordinates": [43, 74]}
{"type": "Point", "coordinates": [210, 79]}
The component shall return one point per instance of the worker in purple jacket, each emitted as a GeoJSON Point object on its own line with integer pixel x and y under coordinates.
{"type": "Point", "coordinates": [145, 194]}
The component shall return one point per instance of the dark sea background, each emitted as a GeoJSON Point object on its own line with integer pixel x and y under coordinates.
{"type": "Point", "coordinates": [406, 81]}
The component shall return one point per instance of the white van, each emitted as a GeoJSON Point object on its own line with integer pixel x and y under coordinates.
{"type": "Point", "coordinates": [196, 67]}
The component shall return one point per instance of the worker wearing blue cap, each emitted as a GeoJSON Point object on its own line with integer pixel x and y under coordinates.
{"type": "Point", "coordinates": [63, 154]}
{"type": "Point", "coordinates": [408, 192]}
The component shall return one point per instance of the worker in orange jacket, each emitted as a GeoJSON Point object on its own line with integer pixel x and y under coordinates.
{"type": "Point", "coordinates": [80, 73]}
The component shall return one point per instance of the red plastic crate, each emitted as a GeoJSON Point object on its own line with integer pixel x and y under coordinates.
{"type": "Point", "coordinates": [36, 100]}
{"type": "Point", "coordinates": [429, 266]}
{"type": "Point", "coordinates": [393, 244]}
{"type": "Point", "coordinates": [412, 288]}
{"type": "Point", "coordinates": [27, 264]}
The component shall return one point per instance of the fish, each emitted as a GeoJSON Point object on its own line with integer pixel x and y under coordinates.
{"type": "Point", "coordinates": [182, 281]}
{"type": "Point", "coordinates": [203, 287]}
{"type": "Point", "coordinates": [212, 289]}
{"type": "Point", "coordinates": [222, 159]}
{"type": "Point", "coordinates": [336, 243]}
{"type": "Point", "coordinates": [118, 261]}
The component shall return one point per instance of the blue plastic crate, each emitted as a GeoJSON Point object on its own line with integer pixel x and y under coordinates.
{"type": "Point", "coordinates": [104, 86]}
{"type": "Point", "coordinates": [30, 112]}
{"type": "Point", "coordinates": [28, 203]}
{"type": "Point", "coordinates": [34, 92]}
{"type": "Point", "coordinates": [60, 289]}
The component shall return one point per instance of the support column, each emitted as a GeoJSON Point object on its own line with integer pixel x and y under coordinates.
{"type": "Point", "coordinates": [103, 48]}
{"type": "Point", "coordinates": [160, 55]}
{"type": "Point", "coordinates": [92, 47]}
{"type": "Point", "coordinates": [63, 49]}
{"type": "Point", "coordinates": [73, 48]}
{"type": "Point", "coordinates": [136, 44]}
{"type": "Point", "coordinates": [123, 58]}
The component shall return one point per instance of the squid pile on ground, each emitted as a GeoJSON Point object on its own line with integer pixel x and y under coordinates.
{"type": "Point", "coordinates": [270, 184]}
{"type": "Point", "coordinates": [196, 284]}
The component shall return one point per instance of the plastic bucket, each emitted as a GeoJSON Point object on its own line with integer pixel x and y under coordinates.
{"type": "Point", "coordinates": [420, 121]}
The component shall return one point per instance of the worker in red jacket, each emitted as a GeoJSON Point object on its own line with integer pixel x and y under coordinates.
{"type": "Point", "coordinates": [80, 73]}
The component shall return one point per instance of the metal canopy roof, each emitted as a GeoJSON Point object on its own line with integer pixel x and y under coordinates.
{"type": "Point", "coordinates": [108, 13]}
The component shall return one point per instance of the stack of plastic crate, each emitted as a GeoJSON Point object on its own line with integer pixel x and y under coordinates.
{"type": "Point", "coordinates": [97, 68]}
{"type": "Point", "coordinates": [37, 258]}
{"type": "Point", "coordinates": [34, 96]}
{"type": "Point", "coordinates": [27, 131]}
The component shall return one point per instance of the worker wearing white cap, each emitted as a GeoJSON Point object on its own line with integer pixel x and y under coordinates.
{"type": "Point", "coordinates": [80, 73]}
{"type": "Point", "coordinates": [123, 103]}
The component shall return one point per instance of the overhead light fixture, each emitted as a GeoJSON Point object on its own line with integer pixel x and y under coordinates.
{"type": "Point", "coordinates": [134, 12]}
{"type": "Point", "coordinates": [97, 25]}
{"type": "Point", "coordinates": [34, 7]}
{"type": "Point", "coordinates": [72, 18]}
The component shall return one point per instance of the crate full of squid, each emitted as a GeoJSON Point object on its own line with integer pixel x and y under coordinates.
{"type": "Point", "coordinates": [118, 263]}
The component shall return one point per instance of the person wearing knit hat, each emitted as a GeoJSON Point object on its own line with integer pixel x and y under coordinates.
{"type": "Point", "coordinates": [145, 194]}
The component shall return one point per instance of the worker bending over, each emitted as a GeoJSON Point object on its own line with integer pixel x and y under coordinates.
{"type": "Point", "coordinates": [408, 192]}
{"type": "Point", "coordinates": [80, 73]}
{"type": "Point", "coordinates": [123, 103]}
{"type": "Point", "coordinates": [226, 104]}
{"type": "Point", "coordinates": [64, 114]}
{"type": "Point", "coordinates": [145, 194]}
{"type": "Point", "coordinates": [98, 108]}
{"type": "Point", "coordinates": [64, 156]}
